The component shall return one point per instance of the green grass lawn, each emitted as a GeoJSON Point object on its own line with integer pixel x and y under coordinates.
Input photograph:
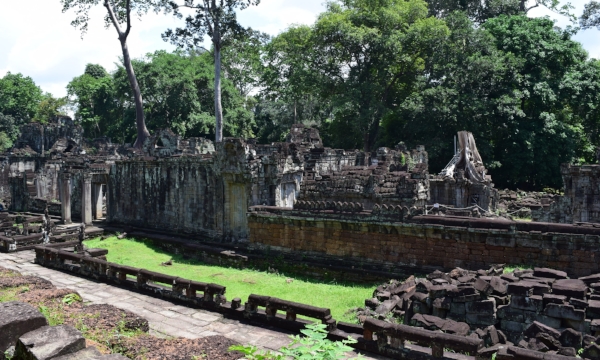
{"type": "Point", "coordinates": [240, 283]}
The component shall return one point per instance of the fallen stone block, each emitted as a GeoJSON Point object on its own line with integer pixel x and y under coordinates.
{"type": "Point", "coordinates": [571, 338]}
{"type": "Point", "coordinates": [17, 319]}
{"type": "Point", "coordinates": [537, 328]}
{"type": "Point", "coordinates": [509, 278]}
{"type": "Point", "coordinates": [486, 307]}
{"type": "Point", "coordinates": [439, 291]}
{"type": "Point", "coordinates": [548, 321]}
{"type": "Point", "coordinates": [570, 288]}
{"type": "Point", "coordinates": [591, 352]}
{"type": "Point", "coordinates": [442, 303]}
{"type": "Point", "coordinates": [49, 342]}
{"type": "Point", "coordinates": [554, 299]}
{"type": "Point", "coordinates": [506, 312]}
{"type": "Point", "coordinates": [564, 312]}
{"type": "Point", "coordinates": [430, 322]}
{"type": "Point", "coordinates": [593, 309]}
{"type": "Point", "coordinates": [567, 351]}
{"type": "Point", "coordinates": [372, 303]}
{"type": "Point", "coordinates": [528, 303]}
{"type": "Point", "coordinates": [537, 345]}
{"type": "Point", "coordinates": [491, 336]}
{"type": "Point", "coordinates": [588, 280]}
{"type": "Point", "coordinates": [527, 288]}
{"type": "Point", "coordinates": [512, 326]}
{"type": "Point", "coordinates": [483, 286]}
{"type": "Point", "coordinates": [549, 273]}
{"type": "Point", "coordinates": [481, 319]}
{"type": "Point", "coordinates": [499, 285]}
{"type": "Point", "coordinates": [386, 306]}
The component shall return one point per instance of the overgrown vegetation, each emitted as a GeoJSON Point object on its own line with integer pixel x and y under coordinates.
{"type": "Point", "coordinates": [314, 345]}
{"type": "Point", "coordinates": [339, 297]}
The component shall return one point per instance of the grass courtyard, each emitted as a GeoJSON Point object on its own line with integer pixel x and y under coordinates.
{"type": "Point", "coordinates": [339, 297]}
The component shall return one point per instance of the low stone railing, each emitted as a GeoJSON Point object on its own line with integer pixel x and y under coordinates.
{"type": "Point", "coordinates": [391, 339]}
{"type": "Point", "coordinates": [372, 336]}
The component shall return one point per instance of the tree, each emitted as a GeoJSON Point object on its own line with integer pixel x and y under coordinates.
{"type": "Point", "coordinates": [19, 102]}
{"type": "Point", "coordinates": [479, 11]}
{"type": "Point", "coordinates": [218, 20]}
{"type": "Point", "coordinates": [242, 60]}
{"type": "Point", "coordinates": [97, 108]}
{"type": "Point", "coordinates": [49, 107]}
{"type": "Point", "coordinates": [591, 15]}
{"type": "Point", "coordinates": [368, 54]}
{"type": "Point", "coordinates": [177, 94]}
{"type": "Point", "coordinates": [118, 14]}
{"type": "Point", "coordinates": [19, 97]}
{"type": "Point", "coordinates": [516, 83]}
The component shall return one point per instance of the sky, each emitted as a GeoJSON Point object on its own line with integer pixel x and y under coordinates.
{"type": "Point", "coordinates": [37, 40]}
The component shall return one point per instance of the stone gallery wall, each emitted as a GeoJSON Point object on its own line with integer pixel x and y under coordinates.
{"type": "Point", "coordinates": [175, 194]}
{"type": "Point", "coordinates": [426, 241]}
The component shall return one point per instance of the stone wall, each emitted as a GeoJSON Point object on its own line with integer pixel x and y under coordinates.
{"type": "Point", "coordinates": [426, 241]}
{"type": "Point", "coordinates": [176, 194]}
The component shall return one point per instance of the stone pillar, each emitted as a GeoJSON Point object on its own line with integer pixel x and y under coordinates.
{"type": "Point", "coordinates": [97, 201]}
{"type": "Point", "coordinates": [86, 199]}
{"type": "Point", "coordinates": [65, 197]}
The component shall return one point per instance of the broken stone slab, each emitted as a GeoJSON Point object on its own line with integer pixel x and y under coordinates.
{"type": "Point", "coordinates": [571, 338]}
{"type": "Point", "coordinates": [506, 312]}
{"type": "Point", "coordinates": [483, 286]}
{"type": "Point", "coordinates": [588, 280]}
{"type": "Point", "coordinates": [578, 303]}
{"type": "Point", "coordinates": [533, 303]}
{"type": "Point", "coordinates": [49, 342]}
{"type": "Point", "coordinates": [431, 322]}
{"type": "Point", "coordinates": [509, 278]}
{"type": "Point", "coordinates": [439, 291]}
{"type": "Point", "coordinates": [527, 288]}
{"type": "Point", "coordinates": [372, 303]}
{"type": "Point", "coordinates": [548, 321]}
{"type": "Point", "coordinates": [386, 306]}
{"type": "Point", "coordinates": [591, 352]}
{"type": "Point", "coordinates": [16, 319]}
{"type": "Point", "coordinates": [442, 303]}
{"type": "Point", "coordinates": [498, 285]}
{"type": "Point", "coordinates": [481, 307]}
{"type": "Point", "coordinates": [593, 309]}
{"type": "Point", "coordinates": [537, 328]}
{"type": "Point", "coordinates": [554, 299]}
{"type": "Point", "coordinates": [488, 352]}
{"type": "Point", "coordinates": [567, 351]}
{"type": "Point", "coordinates": [491, 336]}
{"type": "Point", "coordinates": [549, 273]}
{"type": "Point", "coordinates": [537, 345]}
{"type": "Point", "coordinates": [481, 320]}
{"type": "Point", "coordinates": [466, 279]}
{"type": "Point", "coordinates": [564, 312]}
{"type": "Point", "coordinates": [570, 288]}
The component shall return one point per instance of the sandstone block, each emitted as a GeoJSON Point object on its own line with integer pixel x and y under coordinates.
{"type": "Point", "coordinates": [570, 288]}
{"type": "Point", "coordinates": [571, 338]}
{"type": "Point", "coordinates": [593, 310]}
{"type": "Point", "coordinates": [49, 342]}
{"type": "Point", "coordinates": [16, 319]}
{"type": "Point", "coordinates": [564, 312]}
{"type": "Point", "coordinates": [528, 303]}
{"type": "Point", "coordinates": [549, 273]}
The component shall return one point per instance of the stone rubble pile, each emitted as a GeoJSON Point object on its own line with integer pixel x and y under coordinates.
{"type": "Point", "coordinates": [540, 309]}
{"type": "Point", "coordinates": [25, 335]}
{"type": "Point", "coordinates": [520, 203]}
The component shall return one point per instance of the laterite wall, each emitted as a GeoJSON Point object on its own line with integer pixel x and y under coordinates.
{"type": "Point", "coordinates": [471, 244]}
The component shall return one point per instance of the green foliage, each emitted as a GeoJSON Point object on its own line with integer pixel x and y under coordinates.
{"type": "Point", "coordinates": [314, 345]}
{"type": "Point", "coordinates": [71, 298]}
{"type": "Point", "coordinates": [19, 97]}
{"type": "Point", "coordinates": [49, 107]}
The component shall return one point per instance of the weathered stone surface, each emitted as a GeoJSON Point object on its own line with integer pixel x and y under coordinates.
{"type": "Point", "coordinates": [591, 352]}
{"type": "Point", "coordinates": [548, 321]}
{"type": "Point", "coordinates": [564, 312]}
{"type": "Point", "coordinates": [499, 285]}
{"type": "Point", "coordinates": [570, 288]}
{"type": "Point", "coordinates": [568, 351]}
{"type": "Point", "coordinates": [593, 310]}
{"type": "Point", "coordinates": [531, 303]}
{"type": "Point", "coordinates": [506, 312]}
{"type": "Point", "coordinates": [435, 323]}
{"type": "Point", "coordinates": [549, 273]}
{"type": "Point", "coordinates": [537, 328]}
{"type": "Point", "coordinates": [554, 299]}
{"type": "Point", "coordinates": [49, 342]}
{"type": "Point", "coordinates": [16, 319]}
{"type": "Point", "coordinates": [481, 307]}
{"type": "Point", "coordinates": [483, 286]}
{"type": "Point", "coordinates": [90, 353]}
{"type": "Point", "coordinates": [571, 338]}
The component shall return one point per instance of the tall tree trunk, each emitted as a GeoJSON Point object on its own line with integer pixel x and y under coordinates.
{"type": "Point", "coordinates": [218, 106]}
{"type": "Point", "coordinates": [142, 131]}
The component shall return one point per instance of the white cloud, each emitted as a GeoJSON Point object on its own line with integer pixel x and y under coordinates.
{"type": "Point", "coordinates": [37, 40]}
